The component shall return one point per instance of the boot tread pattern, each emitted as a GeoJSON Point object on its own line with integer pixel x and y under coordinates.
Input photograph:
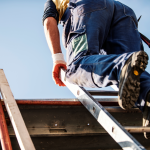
{"type": "Point", "coordinates": [131, 86]}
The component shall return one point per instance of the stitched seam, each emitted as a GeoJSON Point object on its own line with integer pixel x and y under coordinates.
{"type": "Point", "coordinates": [92, 10]}
{"type": "Point", "coordinates": [130, 17]}
{"type": "Point", "coordinates": [93, 63]}
{"type": "Point", "coordinates": [92, 74]}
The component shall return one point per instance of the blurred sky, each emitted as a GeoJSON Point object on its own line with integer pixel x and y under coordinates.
{"type": "Point", "coordinates": [24, 54]}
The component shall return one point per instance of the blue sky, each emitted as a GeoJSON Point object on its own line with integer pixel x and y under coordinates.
{"type": "Point", "coordinates": [24, 54]}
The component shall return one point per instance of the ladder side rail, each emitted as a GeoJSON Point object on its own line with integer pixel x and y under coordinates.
{"type": "Point", "coordinates": [15, 116]}
{"type": "Point", "coordinates": [117, 132]}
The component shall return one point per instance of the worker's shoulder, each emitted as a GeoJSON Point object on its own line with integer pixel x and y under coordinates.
{"type": "Point", "coordinates": [61, 6]}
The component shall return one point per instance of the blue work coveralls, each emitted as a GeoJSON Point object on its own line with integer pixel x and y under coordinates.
{"type": "Point", "coordinates": [99, 36]}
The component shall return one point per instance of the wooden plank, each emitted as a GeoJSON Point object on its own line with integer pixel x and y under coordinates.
{"type": "Point", "coordinates": [116, 131]}
{"type": "Point", "coordinates": [17, 121]}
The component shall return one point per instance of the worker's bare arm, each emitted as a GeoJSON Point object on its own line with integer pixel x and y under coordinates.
{"type": "Point", "coordinates": [52, 35]}
{"type": "Point", "coordinates": [53, 40]}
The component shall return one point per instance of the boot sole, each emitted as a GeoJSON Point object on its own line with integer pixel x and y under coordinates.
{"type": "Point", "coordinates": [129, 86]}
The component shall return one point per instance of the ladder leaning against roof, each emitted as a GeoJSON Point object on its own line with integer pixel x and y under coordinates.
{"type": "Point", "coordinates": [15, 116]}
{"type": "Point", "coordinates": [105, 119]}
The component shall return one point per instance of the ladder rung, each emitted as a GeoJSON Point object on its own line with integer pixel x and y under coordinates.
{"type": "Point", "coordinates": [103, 93]}
{"type": "Point", "coordinates": [117, 109]}
{"type": "Point", "coordinates": [136, 129]}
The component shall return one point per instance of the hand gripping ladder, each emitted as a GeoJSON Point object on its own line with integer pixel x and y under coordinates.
{"type": "Point", "coordinates": [105, 119]}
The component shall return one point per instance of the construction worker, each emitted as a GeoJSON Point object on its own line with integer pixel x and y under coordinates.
{"type": "Point", "coordinates": [103, 48]}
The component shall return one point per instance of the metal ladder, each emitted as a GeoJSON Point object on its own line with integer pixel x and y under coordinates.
{"type": "Point", "coordinates": [105, 119]}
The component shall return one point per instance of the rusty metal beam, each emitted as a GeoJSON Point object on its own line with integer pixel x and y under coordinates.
{"type": "Point", "coordinates": [65, 102]}
{"type": "Point", "coordinates": [4, 136]}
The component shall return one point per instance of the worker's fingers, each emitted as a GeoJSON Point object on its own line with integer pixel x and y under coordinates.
{"type": "Point", "coordinates": [57, 80]}
{"type": "Point", "coordinates": [56, 73]}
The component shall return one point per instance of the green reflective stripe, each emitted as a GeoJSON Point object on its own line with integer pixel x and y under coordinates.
{"type": "Point", "coordinates": [79, 44]}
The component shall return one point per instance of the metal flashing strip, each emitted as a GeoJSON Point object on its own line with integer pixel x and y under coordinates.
{"type": "Point", "coordinates": [74, 131]}
{"type": "Point", "coordinates": [17, 121]}
{"type": "Point", "coordinates": [117, 132]}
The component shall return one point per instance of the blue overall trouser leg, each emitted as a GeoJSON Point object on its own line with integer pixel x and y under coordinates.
{"type": "Point", "coordinates": [103, 35]}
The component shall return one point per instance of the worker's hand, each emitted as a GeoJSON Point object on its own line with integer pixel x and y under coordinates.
{"type": "Point", "coordinates": [59, 62]}
{"type": "Point", "coordinates": [56, 72]}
